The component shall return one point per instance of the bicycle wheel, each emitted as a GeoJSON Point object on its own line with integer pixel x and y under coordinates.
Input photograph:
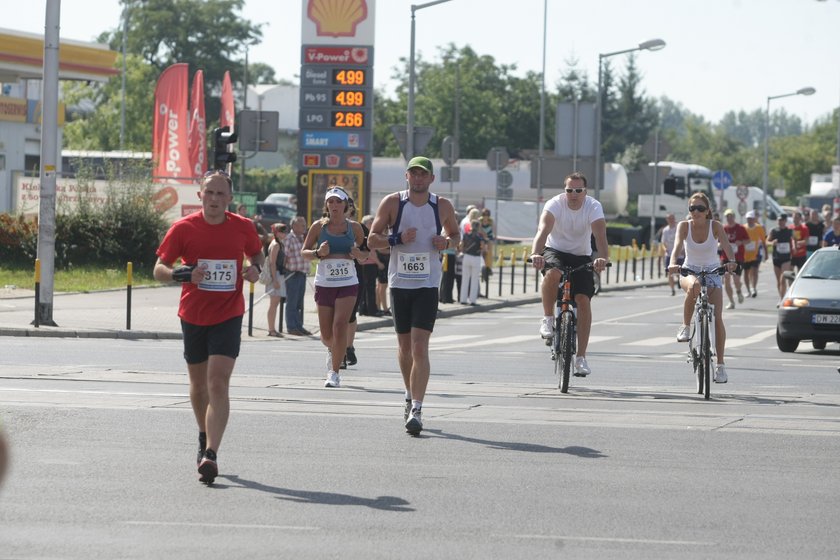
{"type": "Point", "coordinates": [705, 354]}
{"type": "Point", "coordinates": [566, 349]}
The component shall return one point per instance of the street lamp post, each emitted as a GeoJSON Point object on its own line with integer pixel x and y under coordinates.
{"type": "Point", "coordinates": [652, 45]}
{"type": "Point", "coordinates": [409, 128]}
{"type": "Point", "coordinates": [803, 91]}
{"type": "Point", "coordinates": [541, 149]}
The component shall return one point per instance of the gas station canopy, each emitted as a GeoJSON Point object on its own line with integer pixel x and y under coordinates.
{"type": "Point", "coordinates": [22, 57]}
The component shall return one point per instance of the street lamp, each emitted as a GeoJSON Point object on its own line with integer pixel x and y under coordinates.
{"type": "Point", "coordinates": [652, 45]}
{"type": "Point", "coordinates": [409, 128]}
{"type": "Point", "coordinates": [803, 91]}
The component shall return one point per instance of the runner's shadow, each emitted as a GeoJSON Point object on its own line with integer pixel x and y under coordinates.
{"type": "Point", "coordinates": [386, 503]}
{"type": "Point", "coordinates": [583, 452]}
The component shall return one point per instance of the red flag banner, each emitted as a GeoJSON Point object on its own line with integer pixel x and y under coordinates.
{"type": "Point", "coordinates": [198, 127]}
{"type": "Point", "coordinates": [228, 110]}
{"type": "Point", "coordinates": [169, 143]}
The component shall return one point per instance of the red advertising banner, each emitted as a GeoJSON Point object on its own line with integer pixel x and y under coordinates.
{"type": "Point", "coordinates": [228, 110]}
{"type": "Point", "coordinates": [169, 142]}
{"type": "Point", "coordinates": [198, 127]}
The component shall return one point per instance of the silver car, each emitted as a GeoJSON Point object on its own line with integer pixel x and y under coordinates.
{"type": "Point", "coordinates": [810, 309]}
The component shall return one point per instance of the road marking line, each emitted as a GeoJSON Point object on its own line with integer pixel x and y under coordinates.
{"type": "Point", "coordinates": [757, 337]}
{"type": "Point", "coordinates": [609, 539]}
{"type": "Point", "coordinates": [223, 525]}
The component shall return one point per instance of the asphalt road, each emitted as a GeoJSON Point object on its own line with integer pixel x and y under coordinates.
{"type": "Point", "coordinates": [631, 463]}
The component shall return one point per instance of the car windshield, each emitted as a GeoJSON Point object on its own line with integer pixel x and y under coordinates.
{"type": "Point", "coordinates": [824, 265]}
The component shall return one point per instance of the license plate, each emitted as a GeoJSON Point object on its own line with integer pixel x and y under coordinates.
{"type": "Point", "coordinates": [825, 319]}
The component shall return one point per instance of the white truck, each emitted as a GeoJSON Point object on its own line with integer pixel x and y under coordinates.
{"type": "Point", "coordinates": [678, 181]}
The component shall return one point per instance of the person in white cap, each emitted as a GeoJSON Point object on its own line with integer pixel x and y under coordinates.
{"type": "Point", "coordinates": [417, 225]}
{"type": "Point", "coordinates": [335, 240]}
{"type": "Point", "coordinates": [755, 251]}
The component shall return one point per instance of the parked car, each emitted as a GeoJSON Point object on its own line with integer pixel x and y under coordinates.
{"type": "Point", "coordinates": [810, 309]}
{"type": "Point", "coordinates": [271, 213]}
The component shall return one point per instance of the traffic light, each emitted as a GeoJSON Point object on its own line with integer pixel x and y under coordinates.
{"type": "Point", "coordinates": [222, 138]}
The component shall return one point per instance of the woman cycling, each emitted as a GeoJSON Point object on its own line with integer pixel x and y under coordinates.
{"type": "Point", "coordinates": [700, 236]}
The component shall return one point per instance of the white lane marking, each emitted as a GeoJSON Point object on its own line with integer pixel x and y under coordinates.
{"type": "Point", "coordinates": [609, 539]}
{"type": "Point", "coordinates": [484, 342]}
{"type": "Point", "coordinates": [223, 525]}
{"type": "Point", "coordinates": [656, 341]}
{"type": "Point", "coordinates": [757, 337]}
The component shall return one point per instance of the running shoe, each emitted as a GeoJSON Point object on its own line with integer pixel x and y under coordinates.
{"type": "Point", "coordinates": [407, 410]}
{"type": "Point", "coordinates": [333, 379]}
{"type": "Point", "coordinates": [547, 327]}
{"type": "Point", "coordinates": [351, 356]}
{"type": "Point", "coordinates": [414, 425]}
{"type": "Point", "coordinates": [720, 374]}
{"type": "Point", "coordinates": [208, 468]}
{"type": "Point", "coordinates": [755, 293]}
{"type": "Point", "coordinates": [581, 367]}
{"type": "Point", "coordinates": [683, 334]}
{"type": "Point", "coordinates": [730, 305]}
{"type": "Point", "coordinates": [740, 297]}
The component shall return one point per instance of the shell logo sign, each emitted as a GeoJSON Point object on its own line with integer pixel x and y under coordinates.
{"type": "Point", "coordinates": [337, 18]}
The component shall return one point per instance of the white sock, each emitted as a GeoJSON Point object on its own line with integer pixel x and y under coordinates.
{"type": "Point", "coordinates": [416, 405]}
{"type": "Point", "coordinates": [408, 395]}
{"type": "Point", "coordinates": [549, 318]}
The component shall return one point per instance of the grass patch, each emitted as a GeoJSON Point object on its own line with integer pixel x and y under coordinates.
{"type": "Point", "coordinates": [79, 279]}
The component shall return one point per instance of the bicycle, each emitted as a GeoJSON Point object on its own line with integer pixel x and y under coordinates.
{"type": "Point", "coordinates": [701, 348]}
{"type": "Point", "coordinates": [564, 342]}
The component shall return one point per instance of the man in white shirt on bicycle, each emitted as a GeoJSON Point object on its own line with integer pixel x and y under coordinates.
{"type": "Point", "coordinates": [564, 236]}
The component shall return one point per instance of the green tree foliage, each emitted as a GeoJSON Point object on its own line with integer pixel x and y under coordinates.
{"type": "Point", "coordinates": [99, 127]}
{"type": "Point", "coordinates": [494, 107]}
{"type": "Point", "coordinates": [207, 34]}
{"type": "Point", "coordinates": [267, 181]}
{"type": "Point", "coordinates": [632, 117]}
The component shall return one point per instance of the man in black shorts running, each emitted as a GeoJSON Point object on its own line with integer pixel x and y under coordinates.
{"type": "Point", "coordinates": [417, 225]}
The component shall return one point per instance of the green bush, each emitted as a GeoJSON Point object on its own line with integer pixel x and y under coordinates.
{"type": "Point", "coordinates": [125, 228]}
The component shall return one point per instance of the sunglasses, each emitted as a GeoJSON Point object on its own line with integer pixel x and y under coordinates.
{"type": "Point", "coordinates": [697, 208]}
{"type": "Point", "coordinates": [577, 190]}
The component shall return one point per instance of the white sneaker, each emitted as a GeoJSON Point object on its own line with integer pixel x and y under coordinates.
{"type": "Point", "coordinates": [333, 379]}
{"type": "Point", "coordinates": [581, 367]}
{"type": "Point", "coordinates": [547, 327]}
{"type": "Point", "coordinates": [720, 374]}
{"type": "Point", "coordinates": [730, 305]}
{"type": "Point", "coordinates": [683, 334]}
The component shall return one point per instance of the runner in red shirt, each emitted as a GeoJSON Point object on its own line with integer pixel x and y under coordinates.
{"type": "Point", "coordinates": [799, 254]}
{"type": "Point", "coordinates": [210, 245]}
{"type": "Point", "coordinates": [738, 237]}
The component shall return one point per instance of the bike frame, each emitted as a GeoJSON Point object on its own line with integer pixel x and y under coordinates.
{"type": "Point", "coordinates": [701, 344]}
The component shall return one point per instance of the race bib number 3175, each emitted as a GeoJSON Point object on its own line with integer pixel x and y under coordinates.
{"type": "Point", "coordinates": [219, 276]}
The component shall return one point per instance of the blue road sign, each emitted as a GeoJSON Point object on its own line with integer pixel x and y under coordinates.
{"type": "Point", "coordinates": [722, 179]}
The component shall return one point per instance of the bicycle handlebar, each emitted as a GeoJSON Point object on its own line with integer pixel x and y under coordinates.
{"type": "Point", "coordinates": [719, 271]}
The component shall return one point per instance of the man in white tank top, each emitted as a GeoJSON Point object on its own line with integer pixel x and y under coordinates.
{"type": "Point", "coordinates": [410, 223]}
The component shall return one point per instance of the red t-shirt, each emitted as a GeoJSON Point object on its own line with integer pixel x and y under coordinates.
{"type": "Point", "coordinates": [801, 234]}
{"type": "Point", "coordinates": [735, 233]}
{"type": "Point", "coordinates": [221, 246]}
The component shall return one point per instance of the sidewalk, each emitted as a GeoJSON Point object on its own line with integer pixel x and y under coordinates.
{"type": "Point", "coordinates": [154, 309]}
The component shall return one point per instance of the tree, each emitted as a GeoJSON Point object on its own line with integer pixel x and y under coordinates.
{"type": "Point", "coordinates": [99, 129]}
{"type": "Point", "coordinates": [207, 34]}
{"type": "Point", "coordinates": [633, 117]}
{"type": "Point", "coordinates": [494, 108]}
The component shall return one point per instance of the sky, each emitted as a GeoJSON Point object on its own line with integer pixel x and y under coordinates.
{"type": "Point", "coordinates": [721, 55]}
